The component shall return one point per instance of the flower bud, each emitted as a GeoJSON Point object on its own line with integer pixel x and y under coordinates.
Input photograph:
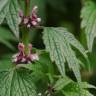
{"type": "Point", "coordinates": [28, 26]}
{"type": "Point", "coordinates": [34, 57]}
{"type": "Point", "coordinates": [21, 13]}
{"type": "Point", "coordinates": [34, 23]}
{"type": "Point", "coordinates": [26, 20]}
{"type": "Point", "coordinates": [34, 10]}
{"type": "Point", "coordinates": [39, 19]}
{"type": "Point", "coordinates": [21, 47]}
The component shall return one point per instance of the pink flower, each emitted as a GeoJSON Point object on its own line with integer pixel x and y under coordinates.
{"type": "Point", "coordinates": [31, 20]}
{"type": "Point", "coordinates": [22, 58]}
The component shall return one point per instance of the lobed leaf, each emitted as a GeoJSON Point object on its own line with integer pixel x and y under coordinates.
{"type": "Point", "coordinates": [58, 42]}
{"type": "Point", "coordinates": [88, 15]}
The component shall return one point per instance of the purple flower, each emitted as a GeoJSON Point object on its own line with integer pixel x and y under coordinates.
{"type": "Point", "coordinates": [31, 20]}
{"type": "Point", "coordinates": [22, 58]}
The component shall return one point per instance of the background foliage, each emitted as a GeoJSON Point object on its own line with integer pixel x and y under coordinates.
{"type": "Point", "coordinates": [64, 13]}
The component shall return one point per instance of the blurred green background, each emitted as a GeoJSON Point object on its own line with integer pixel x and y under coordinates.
{"type": "Point", "coordinates": [65, 13]}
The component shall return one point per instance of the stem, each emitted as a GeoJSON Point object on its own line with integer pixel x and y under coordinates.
{"type": "Point", "coordinates": [25, 36]}
{"type": "Point", "coordinates": [25, 30]}
{"type": "Point", "coordinates": [27, 7]}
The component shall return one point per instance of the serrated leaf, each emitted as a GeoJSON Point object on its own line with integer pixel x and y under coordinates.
{"type": "Point", "coordinates": [74, 42]}
{"type": "Point", "coordinates": [88, 15]}
{"type": "Point", "coordinates": [59, 45]}
{"type": "Point", "coordinates": [4, 6]}
{"type": "Point", "coordinates": [12, 17]}
{"type": "Point", "coordinates": [16, 83]}
{"type": "Point", "coordinates": [61, 83]}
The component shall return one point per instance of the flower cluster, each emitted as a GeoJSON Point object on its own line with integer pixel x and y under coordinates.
{"type": "Point", "coordinates": [32, 20]}
{"type": "Point", "coordinates": [22, 58]}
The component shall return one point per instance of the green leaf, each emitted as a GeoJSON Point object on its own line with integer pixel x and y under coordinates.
{"type": "Point", "coordinates": [17, 82]}
{"type": "Point", "coordinates": [61, 83]}
{"type": "Point", "coordinates": [4, 39]}
{"type": "Point", "coordinates": [70, 88]}
{"type": "Point", "coordinates": [88, 15]}
{"type": "Point", "coordinates": [58, 42]}
{"type": "Point", "coordinates": [13, 17]}
{"type": "Point", "coordinates": [9, 9]}
{"type": "Point", "coordinates": [5, 62]}
{"type": "Point", "coordinates": [73, 90]}
{"type": "Point", "coordinates": [84, 93]}
{"type": "Point", "coordinates": [4, 5]}
{"type": "Point", "coordinates": [46, 63]}
{"type": "Point", "coordinates": [86, 85]}
{"type": "Point", "coordinates": [34, 67]}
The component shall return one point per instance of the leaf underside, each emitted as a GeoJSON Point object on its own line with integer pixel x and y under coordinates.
{"type": "Point", "coordinates": [58, 42]}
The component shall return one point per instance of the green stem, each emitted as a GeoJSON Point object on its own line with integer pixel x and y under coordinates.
{"type": "Point", "coordinates": [25, 30]}
{"type": "Point", "coordinates": [27, 7]}
{"type": "Point", "coordinates": [25, 36]}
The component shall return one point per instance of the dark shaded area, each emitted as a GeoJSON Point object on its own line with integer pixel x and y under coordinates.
{"type": "Point", "coordinates": [68, 10]}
